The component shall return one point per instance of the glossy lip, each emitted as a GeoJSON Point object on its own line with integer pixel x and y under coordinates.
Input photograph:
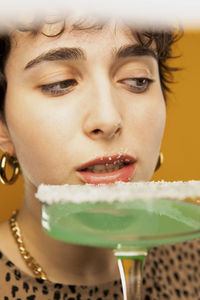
{"type": "Point", "coordinates": [124, 174]}
{"type": "Point", "coordinates": [108, 160]}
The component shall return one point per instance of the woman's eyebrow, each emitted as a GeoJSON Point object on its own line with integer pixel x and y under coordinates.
{"type": "Point", "coordinates": [135, 50]}
{"type": "Point", "coordinates": [64, 53]}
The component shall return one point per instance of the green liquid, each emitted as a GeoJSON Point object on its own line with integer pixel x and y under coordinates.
{"type": "Point", "coordinates": [136, 224]}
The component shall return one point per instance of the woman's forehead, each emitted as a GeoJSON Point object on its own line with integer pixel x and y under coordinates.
{"type": "Point", "coordinates": [112, 32]}
{"type": "Point", "coordinates": [94, 41]}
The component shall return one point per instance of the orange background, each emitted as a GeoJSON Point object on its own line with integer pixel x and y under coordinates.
{"type": "Point", "coordinates": [181, 144]}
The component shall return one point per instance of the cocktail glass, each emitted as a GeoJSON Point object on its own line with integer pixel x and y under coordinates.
{"type": "Point", "coordinates": [129, 227]}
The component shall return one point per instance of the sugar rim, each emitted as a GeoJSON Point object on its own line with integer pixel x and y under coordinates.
{"type": "Point", "coordinates": [119, 191]}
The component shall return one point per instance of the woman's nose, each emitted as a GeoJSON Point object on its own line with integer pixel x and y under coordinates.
{"type": "Point", "coordinates": [103, 120]}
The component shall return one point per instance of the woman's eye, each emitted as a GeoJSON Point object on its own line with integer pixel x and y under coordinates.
{"type": "Point", "coordinates": [137, 85]}
{"type": "Point", "coordinates": [59, 88]}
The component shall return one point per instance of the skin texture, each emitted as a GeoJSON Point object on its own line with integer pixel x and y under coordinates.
{"type": "Point", "coordinates": [52, 135]}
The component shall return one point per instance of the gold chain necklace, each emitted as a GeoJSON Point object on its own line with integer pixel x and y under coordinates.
{"type": "Point", "coordinates": [30, 261]}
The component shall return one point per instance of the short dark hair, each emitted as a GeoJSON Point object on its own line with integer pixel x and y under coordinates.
{"type": "Point", "coordinates": [162, 39]}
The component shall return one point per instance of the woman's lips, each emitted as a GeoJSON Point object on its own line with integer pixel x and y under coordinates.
{"type": "Point", "coordinates": [124, 174]}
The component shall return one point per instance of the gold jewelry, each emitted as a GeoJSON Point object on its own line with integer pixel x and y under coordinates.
{"type": "Point", "coordinates": [29, 260]}
{"type": "Point", "coordinates": [160, 161]}
{"type": "Point", "coordinates": [12, 161]}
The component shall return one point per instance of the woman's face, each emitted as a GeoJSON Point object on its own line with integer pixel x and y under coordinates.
{"type": "Point", "coordinates": [84, 107]}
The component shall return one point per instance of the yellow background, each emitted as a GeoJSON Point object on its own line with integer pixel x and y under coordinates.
{"type": "Point", "coordinates": [181, 144]}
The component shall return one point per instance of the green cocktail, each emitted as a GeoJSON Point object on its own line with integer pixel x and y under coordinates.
{"type": "Point", "coordinates": [128, 225]}
{"type": "Point", "coordinates": [141, 223]}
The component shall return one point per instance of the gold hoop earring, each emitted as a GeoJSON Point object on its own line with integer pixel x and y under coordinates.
{"type": "Point", "coordinates": [160, 161]}
{"type": "Point", "coordinates": [12, 161]}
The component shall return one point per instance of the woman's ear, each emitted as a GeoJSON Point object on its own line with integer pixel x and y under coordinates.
{"type": "Point", "coordinates": [6, 144]}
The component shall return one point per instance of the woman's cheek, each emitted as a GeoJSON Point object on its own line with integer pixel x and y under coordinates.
{"type": "Point", "coordinates": [150, 136]}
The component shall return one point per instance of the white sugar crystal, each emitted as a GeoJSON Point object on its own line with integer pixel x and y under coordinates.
{"type": "Point", "coordinates": [120, 191]}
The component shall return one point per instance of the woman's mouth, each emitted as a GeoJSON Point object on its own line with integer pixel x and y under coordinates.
{"type": "Point", "coordinates": [107, 169]}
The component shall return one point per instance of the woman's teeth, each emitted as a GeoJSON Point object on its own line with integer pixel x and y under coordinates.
{"type": "Point", "coordinates": [105, 168]}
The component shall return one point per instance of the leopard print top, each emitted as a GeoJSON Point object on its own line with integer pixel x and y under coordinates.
{"type": "Point", "coordinates": [170, 272]}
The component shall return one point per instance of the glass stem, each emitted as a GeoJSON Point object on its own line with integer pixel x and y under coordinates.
{"type": "Point", "coordinates": [131, 276]}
